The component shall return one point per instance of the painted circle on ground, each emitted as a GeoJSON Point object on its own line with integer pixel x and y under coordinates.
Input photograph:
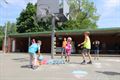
{"type": "Point", "coordinates": [79, 73]}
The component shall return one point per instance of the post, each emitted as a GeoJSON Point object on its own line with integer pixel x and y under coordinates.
{"type": "Point", "coordinates": [13, 45]}
{"type": "Point", "coordinates": [53, 37]}
{"type": "Point", "coordinates": [5, 38]}
{"type": "Point", "coordinates": [29, 40]}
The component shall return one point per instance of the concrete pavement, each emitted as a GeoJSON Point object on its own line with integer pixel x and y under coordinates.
{"type": "Point", "coordinates": [15, 67]}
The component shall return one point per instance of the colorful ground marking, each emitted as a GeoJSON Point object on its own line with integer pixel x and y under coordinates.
{"type": "Point", "coordinates": [79, 73]}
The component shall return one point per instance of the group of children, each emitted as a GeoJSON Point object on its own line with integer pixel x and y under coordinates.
{"type": "Point", "coordinates": [66, 49]}
{"type": "Point", "coordinates": [86, 46]}
{"type": "Point", "coordinates": [35, 46]}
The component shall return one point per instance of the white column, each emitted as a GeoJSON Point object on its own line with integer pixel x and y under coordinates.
{"type": "Point", "coordinates": [13, 45]}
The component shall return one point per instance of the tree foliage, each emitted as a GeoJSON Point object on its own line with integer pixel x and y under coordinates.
{"type": "Point", "coordinates": [11, 29]}
{"type": "Point", "coordinates": [1, 30]}
{"type": "Point", "coordinates": [1, 36]}
{"type": "Point", "coordinates": [82, 15]}
{"type": "Point", "coordinates": [27, 21]}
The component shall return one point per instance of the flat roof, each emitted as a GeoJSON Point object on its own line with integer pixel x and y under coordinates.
{"type": "Point", "coordinates": [69, 32]}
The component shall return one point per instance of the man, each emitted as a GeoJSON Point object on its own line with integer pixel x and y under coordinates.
{"type": "Point", "coordinates": [64, 43]}
{"type": "Point", "coordinates": [86, 48]}
{"type": "Point", "coordinates": [33, 56]}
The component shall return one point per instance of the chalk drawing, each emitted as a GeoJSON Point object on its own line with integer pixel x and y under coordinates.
{"type": "Point", "coordinates": [79, 73]}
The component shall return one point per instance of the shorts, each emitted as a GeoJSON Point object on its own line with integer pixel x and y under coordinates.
{"type": "Point", "coordinates": [33, 54]}
{"type": "Point", "coordinates": [63, 50]}
{"type": "Point", "coordinates": [96, 51]}
{"type": "Point", "coordinates": [84, 51]}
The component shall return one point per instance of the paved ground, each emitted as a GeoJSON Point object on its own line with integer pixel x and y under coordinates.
{"type": "Point", "coordinates": [14, 67]}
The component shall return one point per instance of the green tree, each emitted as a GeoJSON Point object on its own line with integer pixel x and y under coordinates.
{"type": "Point", "coordinates": [1, 36]}
{"type": "Point", "coordinates": [27, 21]}
{"type": "Point", "coordinates": [8, 27]}
{"type": "Point", "coordinates": [82, 15]}
{"type": "Point", "coordinates": [1, 30]}
{"type": "Point", "coordinates": [11, 27]}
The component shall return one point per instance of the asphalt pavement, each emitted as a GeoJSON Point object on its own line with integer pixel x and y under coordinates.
{"type": "Point", "coordinates": [15, 66]}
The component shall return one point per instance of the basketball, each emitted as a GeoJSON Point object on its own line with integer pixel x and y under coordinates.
{"type": "Point", "coordinates": [40, 58]}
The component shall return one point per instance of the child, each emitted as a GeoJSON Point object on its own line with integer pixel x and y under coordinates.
{"type": "Point", "coordinates": [63, 48]}
{"type": "Point", "coordinates": [68, 48]}
{"type": "Point", "coordinates": [40, 57]}
{"type": "Point", "coordinates": [86, 48]}
{"type": "Point", "coordinates": [96, 49]}
{"type": "Point", "coordinates": [33, 41]}
{"type": "Point", "coordinates": [33, 56]}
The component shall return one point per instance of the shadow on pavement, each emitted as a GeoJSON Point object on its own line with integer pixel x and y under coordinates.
{"type": "Point", "coordinates": [74, 63]}
{"type": "Point", "coordinates": [26, 66]}
{"type": "Point", "coordinates": [108, 72]}
{"type": "Point", "coordinates": [21, 59]}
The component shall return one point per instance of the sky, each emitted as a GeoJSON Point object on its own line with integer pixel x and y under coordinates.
{"type": "Point", "coordinates": [109, 11]}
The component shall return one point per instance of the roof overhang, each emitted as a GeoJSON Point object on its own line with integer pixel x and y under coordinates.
{"type": "Point", "coordinates": [113, 31]}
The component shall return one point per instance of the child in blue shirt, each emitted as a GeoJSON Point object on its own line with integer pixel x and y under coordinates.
{"type": "Point", "coordinates": [33, 56]}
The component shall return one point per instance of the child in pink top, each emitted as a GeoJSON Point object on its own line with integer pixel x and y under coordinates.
{"type": "Point", "coordinates": [68, 48]}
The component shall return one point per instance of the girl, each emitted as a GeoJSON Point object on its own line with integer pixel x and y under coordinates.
{"type": "Point", "coordinates": [68, 48]}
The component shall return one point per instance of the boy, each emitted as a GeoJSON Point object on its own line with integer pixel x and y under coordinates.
{"type": "Point", "coordinates": [86, 48]}
{"type": "Point", "coordinates": [96, 49]}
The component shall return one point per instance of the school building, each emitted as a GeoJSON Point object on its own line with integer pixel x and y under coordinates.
{"type": "Point", "coordinates": [109, 40]}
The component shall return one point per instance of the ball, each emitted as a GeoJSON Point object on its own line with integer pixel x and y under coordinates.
{"type": "Point", "coordinates": [40, 58]}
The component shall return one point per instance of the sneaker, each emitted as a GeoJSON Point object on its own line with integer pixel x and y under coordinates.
{"type": "Point", "coordinates": [84, 62]}
{"type": "Point", "coordinates": [31, 66]}
{"type": "Point", "coordinates": [90, 62]}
